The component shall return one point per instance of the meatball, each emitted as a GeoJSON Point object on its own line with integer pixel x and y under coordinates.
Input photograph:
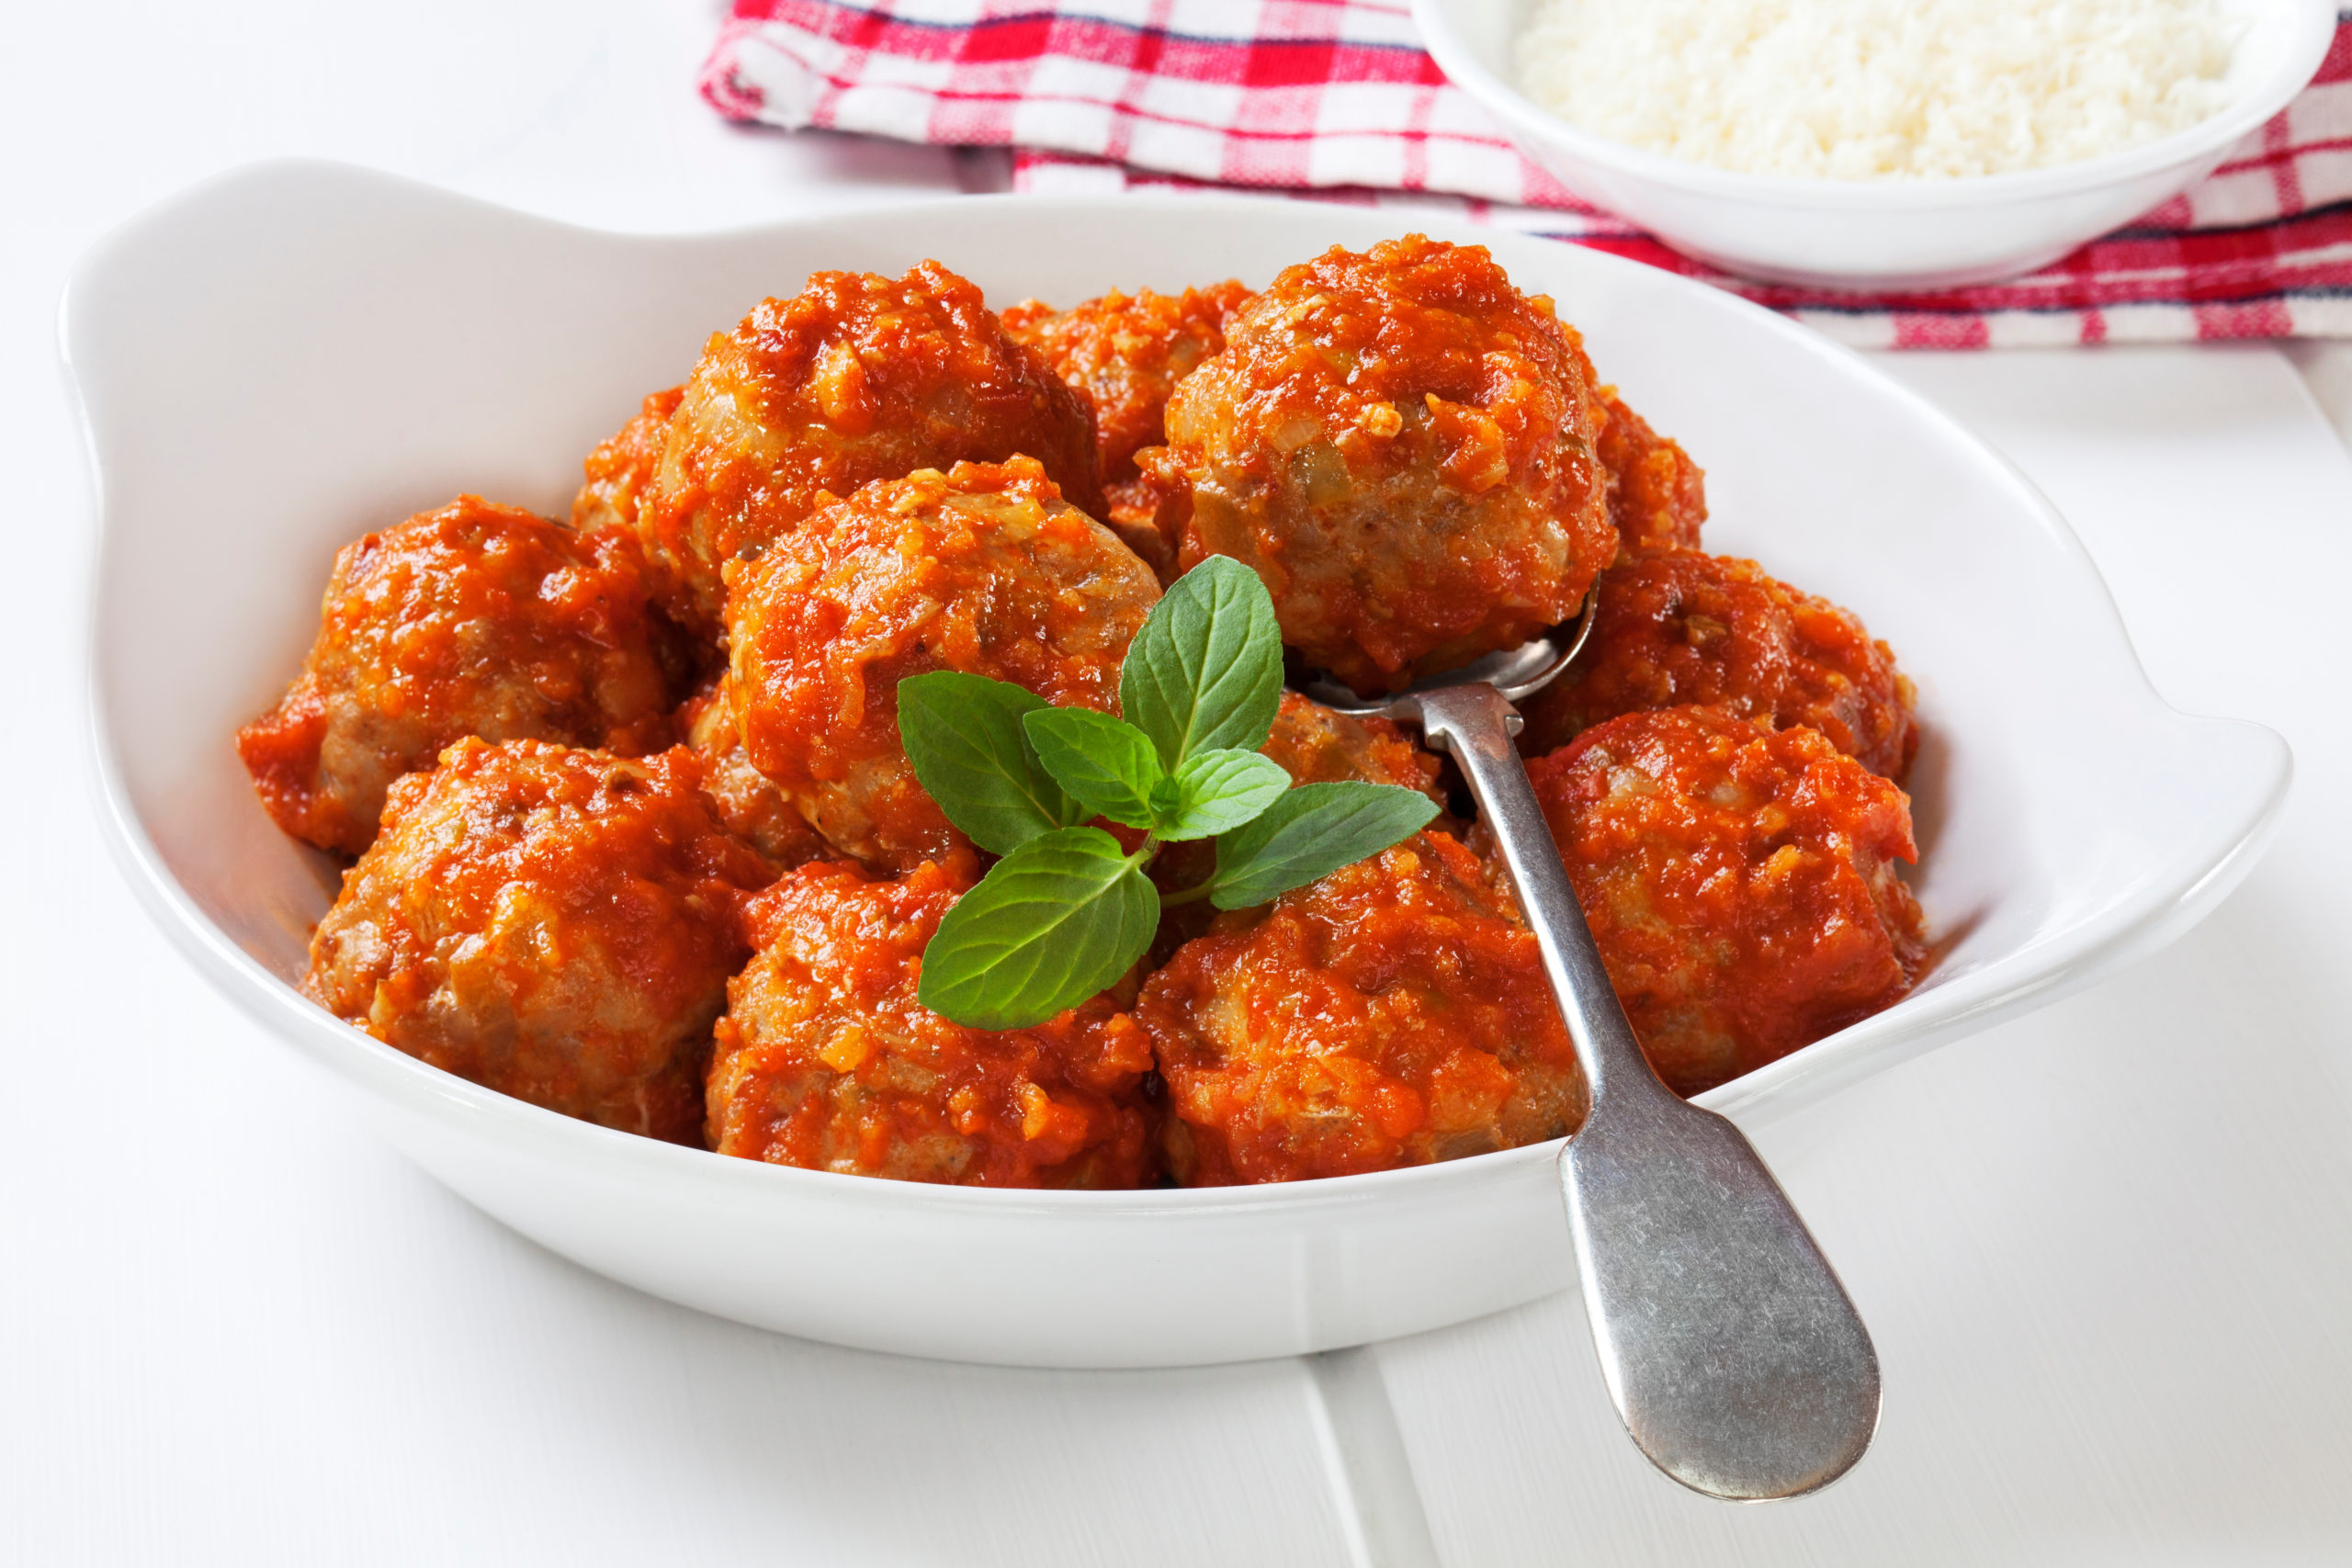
{"type": "Point", "coordinates": [749, 806]}
{"type": "Point", "coordinates": [1657, 496]}
{"type": "Point", "coordinates": [1739, 881]}
{"type": "Point", "coordinates": [478, 620]}
{"type": "Point", "coordinates": [1124, 355]}
{"type": "Point", "coordinates": [1394, 1013]}
{"type": "Point", "coordinates": [1319, 745]}
{"type": "Point", "coordinates": [857, 377]}
{"type": "Point", "coordinates": [984, 570]}
{"type": "Point", "coordinates": [1401, 445]}
{"type": "Point", "coordinates": [618, 473]}
{"type": "Point", "coordinates": [555, 924]}
{"type": "Point", "coordinates": [616, 478]}
{"type": "Point", "coordinates": [1686, 628]}
{"type": "Point", "coordinates": [826, 1060]}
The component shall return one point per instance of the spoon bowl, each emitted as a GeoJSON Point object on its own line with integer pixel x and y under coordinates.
{"type": "Point", "coordinates": [1516, 672]}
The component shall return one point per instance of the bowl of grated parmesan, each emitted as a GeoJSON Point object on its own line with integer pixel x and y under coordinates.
{"type": "Point", "coordinates": [1879, 144]}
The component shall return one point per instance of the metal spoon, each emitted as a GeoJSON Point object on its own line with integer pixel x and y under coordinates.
{"type": "Point", "coordinates": [1731, 1351]}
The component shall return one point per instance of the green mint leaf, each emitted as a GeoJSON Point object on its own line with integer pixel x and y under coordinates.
{"type": "Point", "coordinates": [1216, 792]}
{"type": "Point", "coordinates": [1051, 924]}
{"type": "Point", "coordinates": [1205, 674]}
{"type": "Point", "coordinates": [963, 734]}
{"type": "Point", "coordinates": [1106, 764]}
{"type": "Point", "coordinates": [1310, 833]}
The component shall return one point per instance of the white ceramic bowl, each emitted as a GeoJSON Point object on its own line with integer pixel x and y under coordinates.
{"type": "Point", "coordinates": [1877, 234]}
{"type": "Point", "coordinates": [276, 363]}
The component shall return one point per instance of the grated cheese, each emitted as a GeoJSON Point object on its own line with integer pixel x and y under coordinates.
{"type": "Point", "coordinates": [1880, 89]}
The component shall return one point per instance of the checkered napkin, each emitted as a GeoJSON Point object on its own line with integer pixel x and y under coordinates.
{"type": "Point", "coordinates": [1336, 100]}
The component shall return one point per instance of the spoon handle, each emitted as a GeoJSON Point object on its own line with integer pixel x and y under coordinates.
{"type": "Point", "coordinates": [1731, 1351]}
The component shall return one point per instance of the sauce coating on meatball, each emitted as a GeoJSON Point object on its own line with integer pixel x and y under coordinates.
{"type": "Point", "coordinates": [1124, 353]}
{"type": "Point", "coordinates": [857, 377]}
{"type": "Point", "coordinates": [1321, 745]}
{"type": "Point", "coordinates": [746, 800]}
{"type": "Point", "coordinates": [477, 619]}
{"type": "Point", "coordinates": [983, 569]}
{"type": "Point", "coordinates": [1685, 627]}
{"type": "Point", "coordinates": [553, 924]}
{"type": "Point", "coordinates": [1401, 445]}
{"type": "Point", "coordinates": [616, 475]}
{"type": "Point", "coordinates": [826, 1060]}
{"type": "Point", "coordinates": [1740, 883]}
{"type": "Point", "coordinates": [1394, 1013]}
{"type": "Point", "coordinates": [1657, 496]}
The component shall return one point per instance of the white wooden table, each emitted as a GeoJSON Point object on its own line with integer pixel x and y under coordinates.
{"type": "Point", "coordinates": [2106, 1251]}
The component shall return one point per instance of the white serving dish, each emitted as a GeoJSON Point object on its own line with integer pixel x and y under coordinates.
{"type": "Point", "coordinates": [1877, 234]}
{"type": "Point", "coordinates": [275, 363]}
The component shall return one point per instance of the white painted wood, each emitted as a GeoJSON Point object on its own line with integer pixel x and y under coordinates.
{"type": "Point", "coordinates": [2106, 1250]}
{"type": "Point", "coordinates": [1379, 1509]}
{"type": "Point", "coordinates": [2325, 364]}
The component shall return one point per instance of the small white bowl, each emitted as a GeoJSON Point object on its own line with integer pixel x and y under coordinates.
{"type": "Point", "coordinates": [1877, 234]}
{"type": "Point", "coordinates": [276, 363]}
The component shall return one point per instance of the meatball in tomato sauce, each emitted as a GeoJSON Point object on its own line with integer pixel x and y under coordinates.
{"type": "Point", "coordinates": [616, 475]}
{"type": "Point", "coordinates": [984, 570]}
{"type": "Point", "coordinates": [826, 1060]}
{"type": "Point", "coordinates": [1315, 744]}
{"type": "Point", "coordinates": [1657, 496]}
{"type": "Point", "coordinates": [856, 379]}
{"type": "Point", "coordinates": [1739, 881]}
{"type": "Point", "coordinates": [1124, 353]}
{"type": "Point", "coordinates": [1685, 627]}
{"type": "Point", "coordinates": [747, 800]}
{"type": "Point", "coordinates": [476, 619]}
{"type": "Point", "coordinates": [1401, 445]}
{"type": "Point", "coordinates": [557, 924]}
{"type": "Point", "coordinates": [1394, 1013]}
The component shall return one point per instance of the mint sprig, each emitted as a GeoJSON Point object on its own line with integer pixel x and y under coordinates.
{"type": "Point", "coordinates": [964, 735]}
{"type": "Point", "coordinates": [1103, 762]}
{"type": "Point", "coordinates": [1218, 791]}
{"type": "Point", "coordinates": [1309, 833]}
{"type": "Point", "coordinates": [1205, 674]}
{"type": "Point", "coordinates": [1067, 911]}
{"type": "Point", "coordinates": [1051, 924]}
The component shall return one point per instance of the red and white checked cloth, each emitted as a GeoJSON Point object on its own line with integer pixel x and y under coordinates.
{"type": "Point", "coordinates": [1336, 99]}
